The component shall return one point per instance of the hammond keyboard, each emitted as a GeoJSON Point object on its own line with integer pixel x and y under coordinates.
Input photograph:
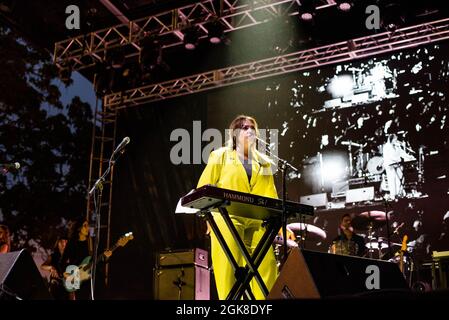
{"type": "Point", "coordinates": [242, 204]}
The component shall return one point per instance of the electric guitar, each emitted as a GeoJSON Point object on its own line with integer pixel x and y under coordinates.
{"type": "Point", "coordinates": [74, 275]}
{"type": "Point", "coordinates": [401, 253]}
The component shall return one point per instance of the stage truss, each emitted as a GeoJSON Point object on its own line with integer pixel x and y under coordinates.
{"type": "Point", "coordinates": [86, 50]}
{"type": "Point", "coordinates": [363, 47]}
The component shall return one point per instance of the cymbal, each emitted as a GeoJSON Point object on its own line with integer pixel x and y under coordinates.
{"type": "Point", "coordinates": [365, 220]}
{"type": "Point", "coordinates": [374, 214]}
{"type": "Point", "coordinates": [351, 143]}
{"type": "Point", "coordinates": [311, 232]}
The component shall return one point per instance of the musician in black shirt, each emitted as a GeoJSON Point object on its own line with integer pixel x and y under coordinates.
{"type": "Point", "coordinates": [77, 250]}
{"type": "Point", "coordinates": [56, 266]}
{"type": "Point", "coordinates": [348, 242]}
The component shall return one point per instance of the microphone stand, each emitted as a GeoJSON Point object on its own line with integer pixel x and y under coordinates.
{"type": "Point", "coordinates": [95, 225]}
{"type": "Point", "coordinates": [387, 206]}
{"type": "Point", "coordinates": [285, 165]}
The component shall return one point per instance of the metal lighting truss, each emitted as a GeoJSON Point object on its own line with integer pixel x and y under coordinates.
{"type": "Point", "coordinates": [343, 51]}
{"type": "Point", "coordinates": [85, 50]}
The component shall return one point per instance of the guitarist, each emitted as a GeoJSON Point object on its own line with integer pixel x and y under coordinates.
{"type": "Point", "coordinates": [55, 265]}
{"type": "Point", "coordinates": [77, 250]}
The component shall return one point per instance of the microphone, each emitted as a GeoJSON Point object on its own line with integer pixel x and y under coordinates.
{"type": "Point", "coordinates": [122, 145]}
{"type": "Point", "coordinates": [261, 140]}
{"type": "Point", "coordinates": [9, 166]}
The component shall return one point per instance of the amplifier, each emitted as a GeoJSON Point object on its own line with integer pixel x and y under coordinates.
{"type": "Point", "coordinates": [195, 256]}
{"type": "Point", "coordinates": [182, 275]}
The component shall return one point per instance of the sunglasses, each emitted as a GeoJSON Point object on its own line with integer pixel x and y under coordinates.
{"type": "Point", "coordinates": [248, 127]}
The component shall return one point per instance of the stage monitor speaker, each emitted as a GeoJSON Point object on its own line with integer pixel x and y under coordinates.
{"type": "Point", "coordinates": [315, 200]}
{"type": "Point", "coordinates": [311, 274]}
{"type": "Point", "coordinates": [20, 278]}
{"type": "Point", "coordinates": [182, 275]}
{"type": "Point", "coordinates": [359, 195]}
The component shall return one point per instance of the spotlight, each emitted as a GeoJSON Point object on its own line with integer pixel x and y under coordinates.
{"type": "Point", "coordinates": [116, 58]}
{"type": "Point", "coordinates": [216, 32]}
{"type": "Point", "coordinates": [306, 10]}
{"type": "Point", "coordinates": [151, 61]}
{"type": "Point", "coordinates": [393, 16]}
{"type": "Point", "coordinates": [333, 167]}
{"type": "Point", "coordinates": [65, 74]}
{"type": "Point", "coordinates": [103, 79]}
{"type": "Point", "coordinates": [190, 38]}
{"type": "Point", "coordinates": [344, 5]}
{"type": "Point", "coordinates": [151, 53]}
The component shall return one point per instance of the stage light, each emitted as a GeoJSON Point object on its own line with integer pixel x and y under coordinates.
{"type": "Point", "coordinates": [116, 58]}
{"type": "Point", "coordinates": [103, 79]}
{"type": "Point", "coordinates": [152, 66]}
{"type": "Point", "coordinates": [344, 5]}
{"type": "Point", "coordinates": [393, 16]}
{"type": "Point", "coordinates": [65, 74]}
{"type": "Point", "coordinates": [332, 167]}
{"type": "Point", "coordinates": [306, 10]}
{"type": "Point", "coordinates": [151, 53]}
{"type": "Point", "coordinates": [340, 86]}
{"type": "Point", "coordinates": [190, 38]}
{"type": "Point", "coordinates": [215, 32]}
{"type": "Point", "coordinates": [333, 170]}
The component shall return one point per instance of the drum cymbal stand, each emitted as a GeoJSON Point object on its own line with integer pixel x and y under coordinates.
{"type": "Point", "coordinates": [387, 221]}
{"type": "Point", "coordinates": [351, 166]}
{"type": "Point", "coordinates": [370, 237]}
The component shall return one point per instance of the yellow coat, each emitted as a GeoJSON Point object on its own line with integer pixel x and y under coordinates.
{"type": "Point", "coordinates": [225, 170]}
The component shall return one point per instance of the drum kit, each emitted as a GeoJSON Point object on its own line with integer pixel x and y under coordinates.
{"type": "Point", "coordinates": [363, 162]}
{"type": "Point", "coordinates": [379, 247]}
{"type": "Point", "coordinates": [366, 161]}
{"type": "Point", "coordinates": [376, 247]}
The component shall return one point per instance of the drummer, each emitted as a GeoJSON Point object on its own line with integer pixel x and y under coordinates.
{"type": "Point", "coordinates": [346, 233]}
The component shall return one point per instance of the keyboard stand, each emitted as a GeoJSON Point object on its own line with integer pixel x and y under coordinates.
{"type": "Point", "coordinates": [244, 274]}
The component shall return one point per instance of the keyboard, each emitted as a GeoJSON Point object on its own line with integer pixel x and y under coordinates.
{"type": "Point", "coordinates": [242, 204]}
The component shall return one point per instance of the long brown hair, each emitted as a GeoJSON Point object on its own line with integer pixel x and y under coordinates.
{"type": "Point", "coordinates": [236, 125]}
{"type": "Point", "coordinates": [6, 238]}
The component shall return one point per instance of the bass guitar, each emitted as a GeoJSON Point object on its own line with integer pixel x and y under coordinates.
{"type": "Point", "coordinates": [74, 275]}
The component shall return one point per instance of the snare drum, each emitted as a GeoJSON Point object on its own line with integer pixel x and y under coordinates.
{"type": "Point", "coordinates": [343, 247]}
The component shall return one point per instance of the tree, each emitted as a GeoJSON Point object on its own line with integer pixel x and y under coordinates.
{"type": "Point", "coordinates": [50, 140]}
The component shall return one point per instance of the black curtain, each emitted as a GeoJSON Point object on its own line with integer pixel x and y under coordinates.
{"type": "Point", "coordinates": [147, 187]}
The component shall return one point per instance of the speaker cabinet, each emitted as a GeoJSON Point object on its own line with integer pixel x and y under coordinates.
{"type": "Point", "coordinates": [20, 279]}
{"type": "Point", "coordinates": [311, 274]}
{"type": "Point", "coordinates": [182, 275]}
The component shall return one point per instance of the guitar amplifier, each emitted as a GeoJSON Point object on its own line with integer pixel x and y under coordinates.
{"type": "Point", "coordinates": [196, 256]}
{"type": "Point", "coordinates": [182, 275]}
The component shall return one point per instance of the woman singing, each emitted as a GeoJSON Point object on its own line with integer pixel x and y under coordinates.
{"type": "Point", "coordinates": [239, 166]}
